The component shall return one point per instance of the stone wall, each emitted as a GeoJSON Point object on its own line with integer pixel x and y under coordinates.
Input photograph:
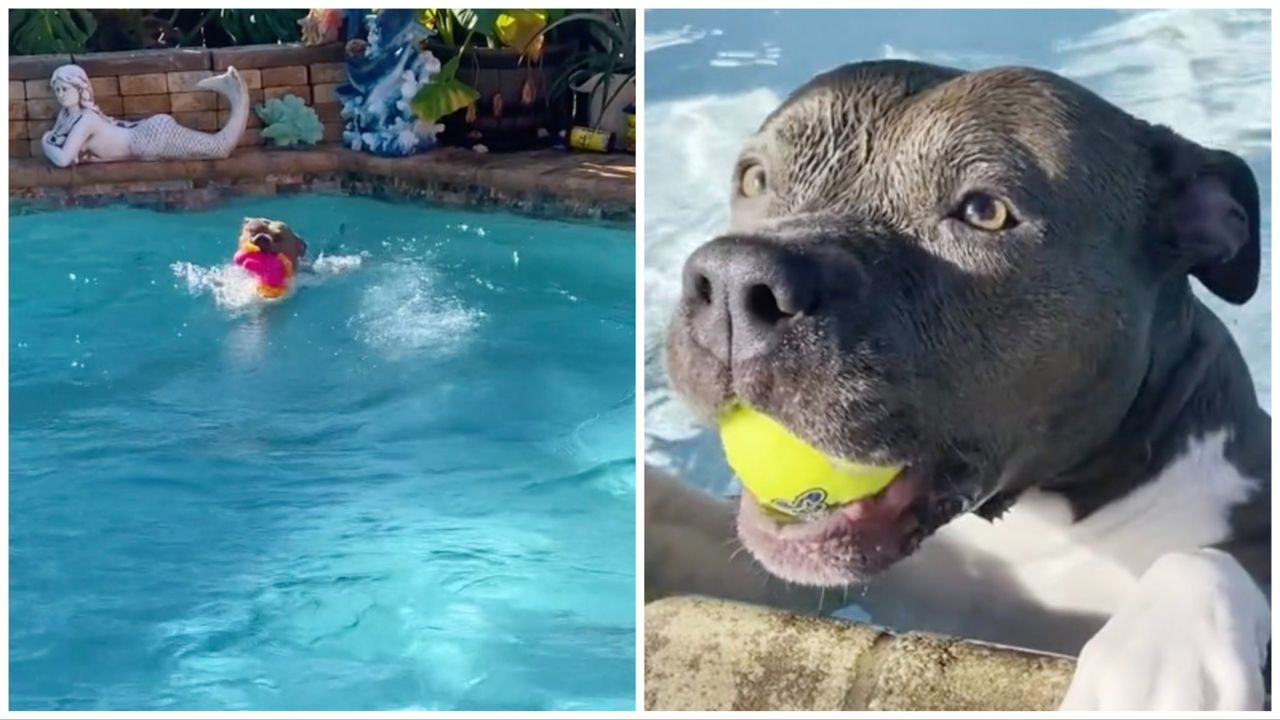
{"type": "Point", "coordinates": [544, 183]}
{"type": "Point", "coordinates": [135, 84]}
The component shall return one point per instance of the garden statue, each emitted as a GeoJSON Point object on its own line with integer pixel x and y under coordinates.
{"type": "Point", "coordinates": [83, 133]}
{"type": "Point", "coordinates": [383, 74]}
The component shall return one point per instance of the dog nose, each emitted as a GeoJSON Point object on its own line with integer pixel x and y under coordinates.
{"type": "Point", "coordinates": [743, 292]}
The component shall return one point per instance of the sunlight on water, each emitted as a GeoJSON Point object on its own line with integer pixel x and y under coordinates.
{"type": "Point", "coordinates": [405, 311]}
{"type": "Point", "coordinates": [410, 484]}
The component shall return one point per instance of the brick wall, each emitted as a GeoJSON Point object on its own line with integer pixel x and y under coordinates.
{"type": "Point", "coordinates": [133, 85]}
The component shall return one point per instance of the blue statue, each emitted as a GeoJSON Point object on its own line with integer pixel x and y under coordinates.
{"type": "Point", "coordinates": [382, 81]}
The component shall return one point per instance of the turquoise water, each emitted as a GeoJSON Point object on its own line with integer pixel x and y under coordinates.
{"type": "Point", "coordinates": [409, 486]}
{"type": "Point", "coordinates": [711, 77]}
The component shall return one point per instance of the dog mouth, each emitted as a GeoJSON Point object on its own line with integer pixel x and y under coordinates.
{"type": "Point", "coordinates": [870, 423]}
{"type": "Point", "coordinates": [853, 542]}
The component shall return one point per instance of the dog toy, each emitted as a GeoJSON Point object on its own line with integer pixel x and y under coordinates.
{"type": "Point", "coordinates": [786, 474]}
{"type": "Point", "coordinates": [273, 270]}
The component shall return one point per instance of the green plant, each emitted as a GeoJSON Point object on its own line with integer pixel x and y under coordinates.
{"type": "Point", "coordinates": [34, 32]}
{"type": "Point", "coordinates": [608, 48]}
{"type": "Point", "coordinates": [605, 46]}
{"type": "Point", "coordinates": [287, 121]}
{"type": "Point", "coordinates": [515, 29]}
{"type": "Point", "coordinates": [248, 27]}
{"type": "Point", "coordinates": [445, 93]}
{"type": "Point", "coordinates": [58, 31]}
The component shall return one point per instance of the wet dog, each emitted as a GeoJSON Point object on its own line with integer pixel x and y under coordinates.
{"type": "Point", "coordinates": [270, 251]}
{"type": "Point", "coordinates": [986, 278]}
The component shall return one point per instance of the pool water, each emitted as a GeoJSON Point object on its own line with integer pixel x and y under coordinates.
{"type": "Point", "coordinates": [711, 77]}
{"type": "Point", "coordinates": [408, 486]}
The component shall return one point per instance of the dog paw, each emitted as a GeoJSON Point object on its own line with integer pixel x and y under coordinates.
{"type": "Point", "coordinates": [1193, 636]}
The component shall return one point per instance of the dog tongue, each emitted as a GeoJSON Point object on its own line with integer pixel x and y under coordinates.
{"type": "Point", "coordinates": [889, 504]}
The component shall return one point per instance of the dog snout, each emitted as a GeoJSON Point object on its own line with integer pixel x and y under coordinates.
{"type": "Point", "coordinates": [742, 293]}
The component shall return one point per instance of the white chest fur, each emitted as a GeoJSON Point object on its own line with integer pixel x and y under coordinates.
{"type": "Point", "coordinates": [1035, 578]}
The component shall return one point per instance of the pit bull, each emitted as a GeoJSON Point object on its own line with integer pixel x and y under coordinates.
{"type": "Point", "coordinates": [986, 279]}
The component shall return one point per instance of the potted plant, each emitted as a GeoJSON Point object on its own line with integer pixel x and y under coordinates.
{"type": "Point", "coordinates": [497, 69]}
{"type": "Point", "coordinates": [601, 72]}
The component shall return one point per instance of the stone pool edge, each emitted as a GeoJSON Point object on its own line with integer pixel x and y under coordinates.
{"type": "Point", "coordinates": [542, 183]}
{"type": "Point", "coordinates": [710, 655]}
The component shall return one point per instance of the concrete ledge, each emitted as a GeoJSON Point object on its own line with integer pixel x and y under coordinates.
{"type": "Point", "coordinates": [136, 62]}
{"type": "Point", "coordinates": [710, 655]}
{"type": "Point", "coordinates": [272, 56]}
{"type": "Point", "coordinates": [543, 182]}
{"type": "Point", "coordinates": [164, 60]}
{"type": "Point", "coordinates": [35, 67]}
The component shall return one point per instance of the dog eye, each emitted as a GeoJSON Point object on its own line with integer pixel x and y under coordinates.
{"type": "Point", "coordinates": [986, 212]}
{"type": "Point", "coordinates": [752, 181]}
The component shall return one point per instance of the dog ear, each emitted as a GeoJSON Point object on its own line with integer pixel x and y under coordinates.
{"type": "Point", "coordinates": [1209, 215]}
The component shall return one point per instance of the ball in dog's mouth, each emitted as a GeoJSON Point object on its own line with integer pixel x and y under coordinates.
{"type": "Point", "coordinates": [789, 475]}
{"type": "Point", "coordinates": [850, 543]}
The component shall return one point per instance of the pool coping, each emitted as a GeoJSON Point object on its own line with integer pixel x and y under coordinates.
{"type": "Point", "coordinates": [544, 183]}
{"type": "Point", "coordinates": [708, 655]}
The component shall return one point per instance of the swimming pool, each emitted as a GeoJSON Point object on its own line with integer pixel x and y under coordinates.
{"type": "Point", "coordinates": [410, 486]}
{"type": "Point", "coordinates": [712, 76]}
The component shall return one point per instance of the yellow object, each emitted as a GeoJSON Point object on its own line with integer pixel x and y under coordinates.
{"type": "Point", "coordinates": [786, 474]}
{"type": "Point", "coordinates": [590, 139]}
{"type": "Point", "coordinates": [521, 30]}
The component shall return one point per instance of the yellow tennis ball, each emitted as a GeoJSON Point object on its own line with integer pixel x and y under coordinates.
{"type": "Point", "coordinates": [787, 474]}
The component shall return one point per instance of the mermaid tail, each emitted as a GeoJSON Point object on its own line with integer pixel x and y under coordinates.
{"type": "Point", "coordinates": [160, 137]}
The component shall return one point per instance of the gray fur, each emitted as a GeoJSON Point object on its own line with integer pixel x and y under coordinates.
{"type": "Point", "coordinates": [1068, 352]}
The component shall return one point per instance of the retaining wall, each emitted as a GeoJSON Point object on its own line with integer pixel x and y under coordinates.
{"type": "Point", "coordinates": [135, 84]}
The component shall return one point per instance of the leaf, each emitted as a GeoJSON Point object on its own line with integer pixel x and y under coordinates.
{"type": "Point", "coordinates": [485, 22]}
{"type": "Point", "coordinates": [442, 97]}
{"type": "Point", "coordinates": [519, 29]}
{"type": "Point", "coordinates": [449, 70]}
{"type": "Point", "coordinates": [34, 32]}
{"type": "Point", "coordinates": [254, 27]}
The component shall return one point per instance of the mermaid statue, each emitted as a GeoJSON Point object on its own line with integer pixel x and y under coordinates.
{"type": "Point", "coordinates": [83, 133]}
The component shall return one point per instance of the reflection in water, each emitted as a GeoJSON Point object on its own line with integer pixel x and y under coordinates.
{"type": "Point", "coordinates": [247, 341]}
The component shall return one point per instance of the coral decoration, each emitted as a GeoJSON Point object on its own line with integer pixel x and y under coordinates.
{"type": "Point", "coordinates": [321, 26]}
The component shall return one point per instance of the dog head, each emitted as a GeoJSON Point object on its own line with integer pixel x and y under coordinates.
{"type": "Point", "coordinates": [959, 273]}
{"type": "Point", "coordinates": [272, 236]}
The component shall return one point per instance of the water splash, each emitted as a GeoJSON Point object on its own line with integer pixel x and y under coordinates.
{"type": "Point", "coordinates": [408, 312]}
{"type": "Point", "coordinates": [236, 290]}
{"type": "Point", "coordinates": [233, 288]}
{"type": "Point", "coordinates": [337, 264]}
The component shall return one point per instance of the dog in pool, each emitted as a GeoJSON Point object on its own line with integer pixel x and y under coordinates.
{"type": "Point", "coordinates": [269, 250]}
{"type": "Point", "coordinates": [985, 279]}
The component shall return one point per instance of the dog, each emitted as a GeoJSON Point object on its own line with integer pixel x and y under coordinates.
{"type": "Point", "coordinates": [270, 251]}
{"type": "Point", "coordinates": [986, 278]}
